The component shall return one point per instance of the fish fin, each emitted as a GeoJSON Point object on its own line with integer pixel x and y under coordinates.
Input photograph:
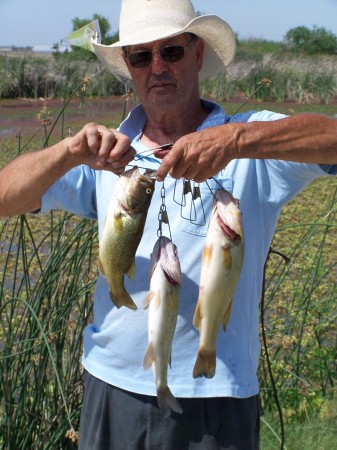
{"type": "Point", "coordinates": [156, 300]}
{"type": "Point", "coordinates": [131, 270]}
{"type": "Point", "coordinates": [148, 299]}
{"type": "Point", "coordinates": [100, 266]}
{"type": "Point", "coordinates": [205, 364]}
{"type": "Point", "coordinates": [118, 221]}
{"type": "Point", "coordinates": [226, 316]}
{"type": "Point", "coordinates": [167, 402]}
{"type": "Point", "coordinates": [197, 316]}
{"type": "Point", "coordinates": [149, 357]}
{"type": "Point", "coordinates": [207, 255]}
{"type": "Point", "coordinates": [123, 299]}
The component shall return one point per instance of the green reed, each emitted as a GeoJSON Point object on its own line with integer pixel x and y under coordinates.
{"type": "Point", "coordinates": [48, 270]}
{"type": "Point", "coordinates": [301, 79]}
{"type": "Point", "coordinates": [45, 303]}
{"type": "Point", "coordinates": [301, 314]}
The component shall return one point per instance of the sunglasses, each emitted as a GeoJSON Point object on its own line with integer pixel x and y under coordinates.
{"type": "Point", "coordinates": [170, 54]}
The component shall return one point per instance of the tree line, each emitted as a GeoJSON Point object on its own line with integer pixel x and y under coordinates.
{"type": "Point", "coordinates": [301, 39]}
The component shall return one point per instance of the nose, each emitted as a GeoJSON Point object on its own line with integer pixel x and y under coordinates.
{"type": "Point", "coordinates": [158, 64]}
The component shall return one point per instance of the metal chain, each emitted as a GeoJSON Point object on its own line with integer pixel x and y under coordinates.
{"type": "Point", "coordinates": [162, 215]}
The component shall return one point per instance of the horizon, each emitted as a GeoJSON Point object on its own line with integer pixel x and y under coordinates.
{"type": "Point", "coordinates": [32, 23]}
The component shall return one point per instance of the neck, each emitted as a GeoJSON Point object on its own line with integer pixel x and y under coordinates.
{"type": "Point", "coordinates": [164, 127]}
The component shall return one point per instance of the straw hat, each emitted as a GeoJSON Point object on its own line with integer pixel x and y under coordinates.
{"type": "Point", "coordinates": [143, 21]}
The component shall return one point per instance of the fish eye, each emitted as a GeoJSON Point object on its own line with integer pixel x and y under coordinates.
{"type": "Point", "coordinates": [148, 191]}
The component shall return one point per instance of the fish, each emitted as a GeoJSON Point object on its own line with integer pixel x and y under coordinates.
{"type": "Point", "coordinates": [163, 302]}
{"type": "Point", "coordinates": [222, 259]}
{"type": "Point", "coordinates": [123, 230]}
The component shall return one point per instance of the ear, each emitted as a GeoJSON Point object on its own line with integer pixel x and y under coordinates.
{"type": "Point", "coordinates": [199, 51]}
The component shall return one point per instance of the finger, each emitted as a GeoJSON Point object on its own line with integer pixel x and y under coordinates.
{"type": "Point", "coordinates": [127, 157]}
{"type": "Point", "coordinates": [122, 152]}
{"type": "Point", "coordinates": [160, 153]}
{"type": "Point", "coordinates": [116, 170]}
{"type": "Point", "coordinates": [108, 141]}
{"type": "Point", "coordinates": [169, 161]}
{"type": "Point", "coordinates": [114, 150]}
{"type": "Point", "coordinates": [181, 170]}
{"type": "Point", "coordinates": [93, 138]}
{"type": "Point", "coordinates": [118, 167]}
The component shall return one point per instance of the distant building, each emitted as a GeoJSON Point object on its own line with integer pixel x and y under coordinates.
{"type": "Point", "coordinates": [13, 50]}
{"type": "Point", "coordinates": [50, 48]}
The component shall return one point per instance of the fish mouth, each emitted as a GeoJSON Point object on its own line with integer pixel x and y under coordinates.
{"type": "Point", "coordinates": [227, 230]}
{"type": "Point", "coordinates": [141, 172]}
{"type": "Point", "coordinates": [170, 279]}
{"type": "Point", "coordinates": [151, 173]}
{"type": "Point", "coordinates": [168, 255]}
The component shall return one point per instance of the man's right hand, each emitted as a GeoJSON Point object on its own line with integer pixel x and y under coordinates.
{"type": "Point", "coordinates": [101, 148]}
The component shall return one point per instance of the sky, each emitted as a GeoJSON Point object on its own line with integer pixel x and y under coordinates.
{"type": "Point", "coordinates": [46, 22]}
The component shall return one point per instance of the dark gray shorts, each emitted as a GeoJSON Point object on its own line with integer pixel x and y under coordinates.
{"type": "Point", "coordinates": [114, 419]}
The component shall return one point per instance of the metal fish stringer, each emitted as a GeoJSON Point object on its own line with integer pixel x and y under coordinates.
{"type": "Point", "coordinates": [149, 151]}
{"type": "Point", "coordinates": [146, 155]}
{"type": "Point", "coordinates": [162, 215]}
{"type": "Point", "coordinates": [187, 194]}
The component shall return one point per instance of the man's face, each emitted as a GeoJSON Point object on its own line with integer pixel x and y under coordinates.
{"type": "Point", "coordinates": [163, 83]}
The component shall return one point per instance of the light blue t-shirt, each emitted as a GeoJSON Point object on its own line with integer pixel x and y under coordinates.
{"type": "Point", "coordinates": [116, 341]}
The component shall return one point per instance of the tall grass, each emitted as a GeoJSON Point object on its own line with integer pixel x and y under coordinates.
{"type": "Point", "coordinates": [34, 77]}
{"type": "Point", "coordinates": [300, 315]}
{"type": "Point", "coordinates": [301, 79]}
{"type": "Point", "coordinates": [48, 270]}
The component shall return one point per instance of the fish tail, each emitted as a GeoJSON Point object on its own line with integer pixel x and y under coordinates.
{"type": "Point", "coordinates": [167, 402]}
{"type": "Point", "coordinates": [197, 316]}
{"type": "Point", "coordinates": [205, 364]}
{"type": "Point", "coordinates": [123, 299]}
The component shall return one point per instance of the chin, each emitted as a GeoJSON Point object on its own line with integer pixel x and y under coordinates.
{"type": "Point", "coordinates": [164, 99]}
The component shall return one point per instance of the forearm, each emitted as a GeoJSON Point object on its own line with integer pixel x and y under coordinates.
{"type": "Point", "coordinates": [24, 181]}
{"type": "Point", "coordinates": [308, 138]}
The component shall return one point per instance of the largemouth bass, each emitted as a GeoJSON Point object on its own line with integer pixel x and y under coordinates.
{"type": "Point", "coordinates": [163, 301]}
{"type": "Point", "coordinates": [222, 260]}
{"type": "Point", "coordinates": [122, 232]}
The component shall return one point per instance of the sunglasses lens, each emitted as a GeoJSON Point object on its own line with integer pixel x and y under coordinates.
{"type": "Point", "coordinates": [172, 53]}
{"type": "Point", "coordinates": [140, 59]}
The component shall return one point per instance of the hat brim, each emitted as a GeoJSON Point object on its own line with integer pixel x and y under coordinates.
{"type": "Point", "coordinates": [220, 46]}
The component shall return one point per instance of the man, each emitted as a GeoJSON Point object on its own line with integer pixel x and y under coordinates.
{"type": "Point", "coordinates": [264, 159]}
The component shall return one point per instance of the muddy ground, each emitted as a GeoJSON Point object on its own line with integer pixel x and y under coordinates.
{"type": "Point", "coordinates": [20, 115]}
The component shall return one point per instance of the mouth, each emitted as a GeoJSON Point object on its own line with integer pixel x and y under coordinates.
{"type": "Point", "coordinates": [161, 86]}
{"type": "Point", "coordinates": [161, 83]}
